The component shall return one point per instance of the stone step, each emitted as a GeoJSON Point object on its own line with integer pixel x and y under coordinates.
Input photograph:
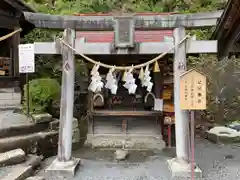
{"type": "Point", "coordinates": [12, 157]}
{"type": "Point", "coordinates": [32, 143]}
{"type": "Point", "coordinates": [24, 170]}
{"type": "Point", "coordinates": [23, 129]}
{"type": "Point", "coordinates": [36, 178]}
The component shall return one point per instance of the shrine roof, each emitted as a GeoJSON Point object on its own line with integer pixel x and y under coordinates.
{"type": "Point", "coordinates": [228, 28]}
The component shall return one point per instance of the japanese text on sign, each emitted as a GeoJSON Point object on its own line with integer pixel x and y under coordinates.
{"type": "Point", "coordinates": [26, 58]}
{"type": "Point", "coordinates": [193, 91]}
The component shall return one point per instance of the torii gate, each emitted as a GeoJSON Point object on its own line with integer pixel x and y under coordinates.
{"type": "Point", "coordinates": [177, 22]}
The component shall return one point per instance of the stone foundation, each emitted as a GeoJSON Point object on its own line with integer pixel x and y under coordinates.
{"type": "Point", "coordinates": [149, 142]}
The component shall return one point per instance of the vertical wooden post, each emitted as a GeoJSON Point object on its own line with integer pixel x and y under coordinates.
{"type": "Point", "coordinates": [158, 73]}
{"type": "Point", "coordinates": [181, 116]}
{"type": "Point", "coordinates": [15, 60]}
{"type": "Point", "coordinates": [67, 98]}
{"type": "Point", "coordinates": [65, 164]}
{"type": "Point", "coordinates": [10, 46]}
{"type": "Point", "coordinates": [158, 86]}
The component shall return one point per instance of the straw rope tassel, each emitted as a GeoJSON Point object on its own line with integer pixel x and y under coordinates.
{"type": "Point", "coordinates": [124, 76]}
{"type": "Point", "coordinates": [156, 67]}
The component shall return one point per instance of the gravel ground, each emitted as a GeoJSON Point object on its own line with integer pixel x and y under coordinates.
{"type": "Point", "coordinates": [218, 162]}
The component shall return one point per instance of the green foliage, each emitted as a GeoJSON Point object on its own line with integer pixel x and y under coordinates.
{"type": "Point", "coordinates": [223, 87]}
{"type": "Point", "coordinates": [90, 6]}
{"type": "Point", "coordinates": [42, 92]}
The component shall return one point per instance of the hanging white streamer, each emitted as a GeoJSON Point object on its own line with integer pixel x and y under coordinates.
{"type": "Point", "coordinates": [96, 84]}
{"type": "Point", "coordinates": [146, 81]}
{"type": "Point", "coordinates": [111, 82]}
{"type": "Point", "coordinates": [130, 82]}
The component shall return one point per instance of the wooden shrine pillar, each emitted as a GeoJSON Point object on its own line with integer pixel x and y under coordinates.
{"type": "Point", "coordinates": [65, 162]}
{"type": "Point", "coordinates": [15, 41]}
{"type": "Point", "coordinates": [181, 116]}
{"type": "Point", "coordinates": [158, 73]}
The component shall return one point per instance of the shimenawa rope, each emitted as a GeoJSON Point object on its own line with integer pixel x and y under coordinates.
{"type": "Point", "coordinates": [10, 34]}
{"type": "Point", "coordinates": [125, 67]}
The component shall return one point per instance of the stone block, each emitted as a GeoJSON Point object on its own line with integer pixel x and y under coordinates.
{"type": "Point", "coordinates": [19, 173]}
{"type": "Point", "coordinates": [12, 157]}
{"type": "Point", "coordinates": [66, 169]}
{"type": "Point", "coordinates": [121, 154]}
{"type": "Point", "coordinates": [223, 135]}
{"type": "Point", "coordinates": [25, 142]}
{"type": "Point", "coordinates": [4, 96]}
{"type": "Point", "coordinates": [54, 125]}
{"type": "Point", "coordinates": [41, 118]}
{"type": "Point", "coordinates": [75, 123]}
{"type": "Point", "coordinates": [6, 90]}
{"type": "Point", "coordinates": [76, 135]}
{"type": "Point", "coordinates": [36, 178]}
{"type": "Point", "coordinates": [24, 170]}
{"type": "Point", "coordinates": [133, 141]}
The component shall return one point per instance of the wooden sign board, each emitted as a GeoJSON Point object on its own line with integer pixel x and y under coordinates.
{"type": "Point", "coordinates": [2, 73]}
{"type": "Point", "coordinates": [193, 90]}
{"type": "Point", "coordinates": [26, 58]}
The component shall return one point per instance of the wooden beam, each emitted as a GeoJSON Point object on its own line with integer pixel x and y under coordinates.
{"type": "Point", "coordinates": [8, 23]}
{"type": "Point", "coordinates": [19, 5]}
{"type": "Point", "coordinates": [193, 47]}
{"type": "Point", "coordinates": [225, 44]}
{"type": "Point", "coordinates": [222, 21]}
{"type": "Point", "coordinates": [142, 22]}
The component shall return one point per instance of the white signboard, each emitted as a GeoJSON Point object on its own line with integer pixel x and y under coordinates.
{"type": "Point", "coordinates": [26, 58]}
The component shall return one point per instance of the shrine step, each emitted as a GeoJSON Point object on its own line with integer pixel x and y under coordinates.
{"type": "Point", "coordinates": [126, 113]}
{"type": "Point", "coordinates": [23, 129]}
{"type": "Point", "coordinates": [131, 141]}
{"type": "Point", "coordinates": [41, 142]}
{"type": "Point", "coordinates": [21, 171]}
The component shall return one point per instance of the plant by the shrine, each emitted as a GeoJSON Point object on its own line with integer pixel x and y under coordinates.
{"type": "Point", "coordinates": [223, 87]}
{"type": "Point", "coordinates": [42, 92]}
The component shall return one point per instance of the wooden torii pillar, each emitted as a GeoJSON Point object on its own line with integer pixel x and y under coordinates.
{"type": "Point", "coordinates": [65, 163]}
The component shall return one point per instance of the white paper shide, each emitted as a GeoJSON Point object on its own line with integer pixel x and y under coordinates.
{"type": "Point", "coordinates": [146, 81]}
{"type": "Point", "coordinates": [111, 83]}
{"type": "Point", "coordinates": [130, 82]}
{"type": "Point", "coordinates": [96, 84]}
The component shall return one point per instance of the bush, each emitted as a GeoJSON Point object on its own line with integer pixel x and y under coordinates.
{"type": "Point", "coordinates": [223, 87]}
{"type": "Point", "coordinates": [42, 92]}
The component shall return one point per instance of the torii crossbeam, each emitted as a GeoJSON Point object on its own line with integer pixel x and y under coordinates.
{"type": "Point", "coordinates": [144, 21]}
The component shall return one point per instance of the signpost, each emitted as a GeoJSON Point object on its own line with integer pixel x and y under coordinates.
{"type": "Point", "coordinates": [193, 97]}
{"type": "Point", "coordinates": [27, 64]}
